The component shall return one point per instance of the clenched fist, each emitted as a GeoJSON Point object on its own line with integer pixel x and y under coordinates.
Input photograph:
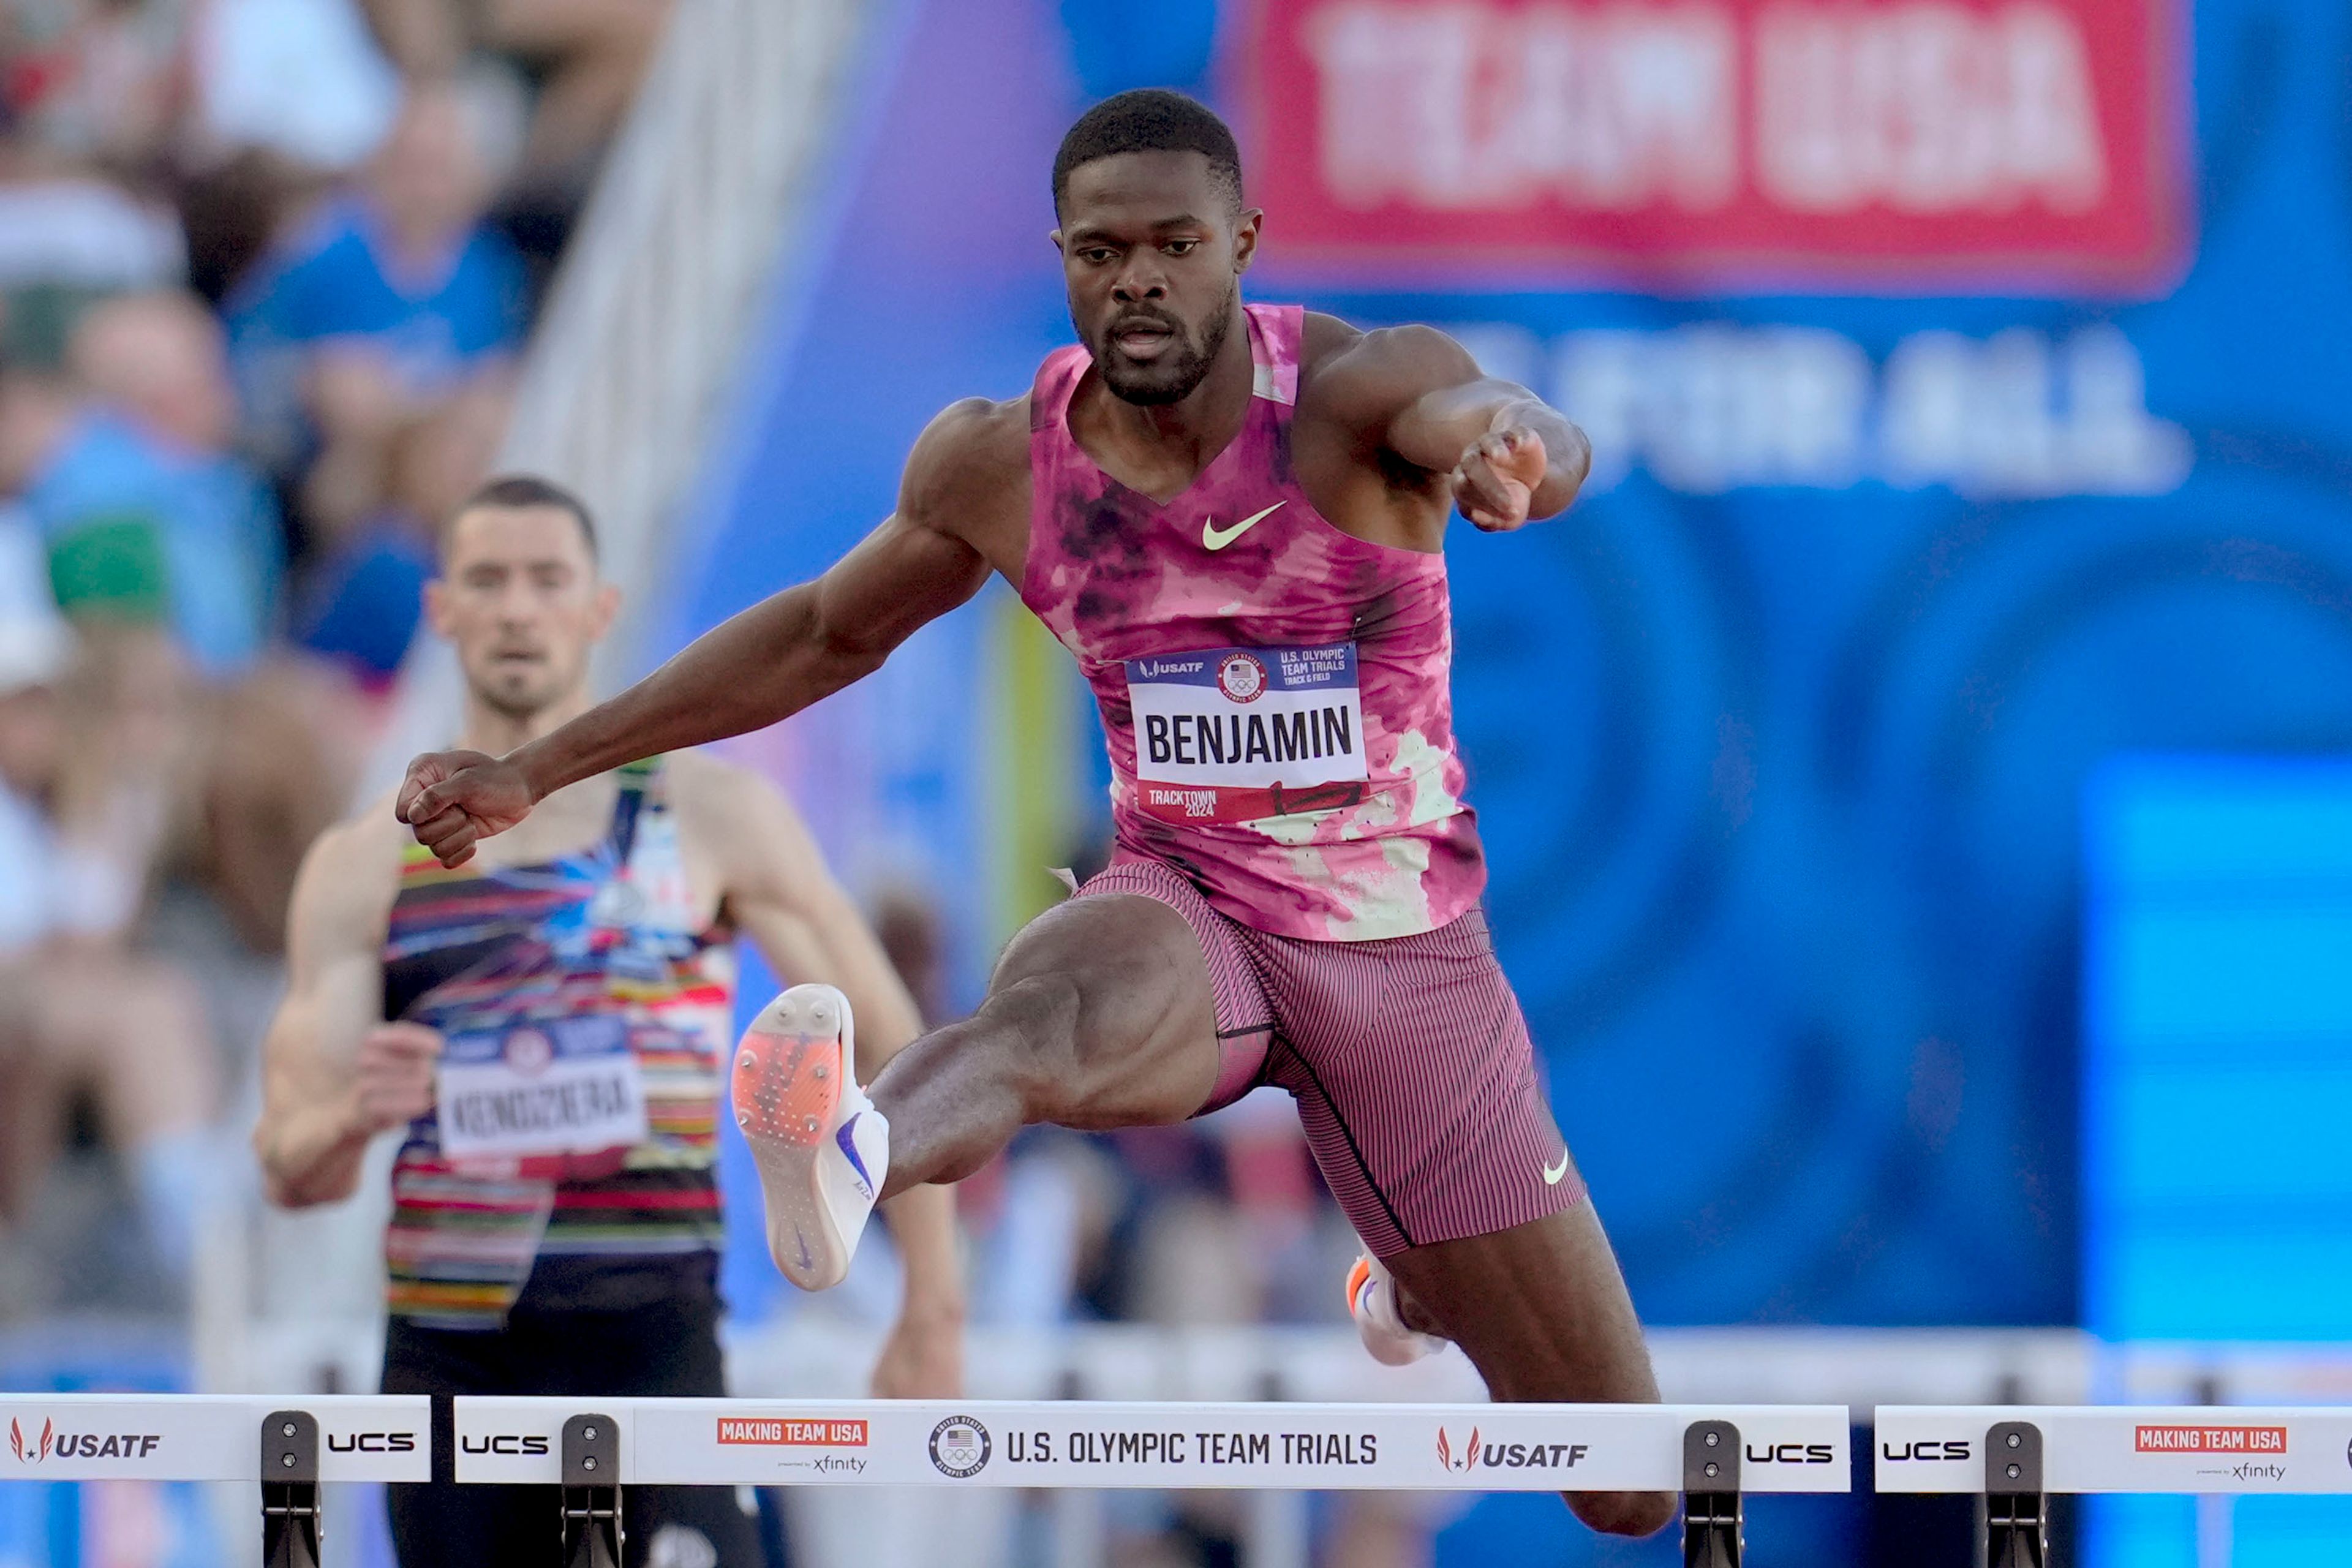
{"type": "Point", "coordinates": [1497, 477]}
{"type": "Point", "coordinates": [451, 800]}
{"type": "Point", "coordinates": [394, 1083]}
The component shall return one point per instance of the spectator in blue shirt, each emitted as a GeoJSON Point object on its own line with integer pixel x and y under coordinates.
{"type": "Point", "coordinates": [389, 302]}
{"type": "Point", "coordinates": [145, 512]}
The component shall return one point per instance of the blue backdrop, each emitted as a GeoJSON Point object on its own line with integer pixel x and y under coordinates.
{"type": "Point", "coordinates": [1780, 738]}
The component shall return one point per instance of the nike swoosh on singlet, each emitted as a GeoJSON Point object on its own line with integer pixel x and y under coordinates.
{"type": "Point", "coordinates": [1552, 1173]}
{"type": "Point", "coordinates": [1217, 538]}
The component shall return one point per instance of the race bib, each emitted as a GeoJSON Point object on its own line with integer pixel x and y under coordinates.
{"type": "Point", "coordinates": [1235, 734]}
{"type": "Point", "coordinates": [551, 1086]}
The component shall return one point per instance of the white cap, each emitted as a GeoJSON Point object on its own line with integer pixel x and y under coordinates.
{"type": "Point", "coordinates": [36, 646]}
{"type": "Point", "coordinates": [35, 651]}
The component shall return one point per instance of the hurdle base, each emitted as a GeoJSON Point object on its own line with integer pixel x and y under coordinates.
{"type": "Point", "coordinates": [2017, 1508]}
{"type": "Point", "coordinates": [289, 1489]}
{"type": "Point", "coordinates": [1711, 1504]}
{"type": "Point", "coordinates": [592, 1492]}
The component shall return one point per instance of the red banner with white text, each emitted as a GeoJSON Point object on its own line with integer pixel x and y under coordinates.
{"type": "Point", "coordinates": [1810, 145]}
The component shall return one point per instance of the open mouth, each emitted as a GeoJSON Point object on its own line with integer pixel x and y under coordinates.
{"type": "Point", "coordinates": [1143, 341]}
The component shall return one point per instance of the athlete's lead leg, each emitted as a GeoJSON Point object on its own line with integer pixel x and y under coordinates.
{"type": "Point", "coordinates": [1099, 1015]}
{"type": "Point", "coordinates": [1542, 1313]}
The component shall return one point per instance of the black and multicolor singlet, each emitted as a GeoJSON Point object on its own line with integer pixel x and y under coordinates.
{"type": "Point", "coordinates": [601, 955]}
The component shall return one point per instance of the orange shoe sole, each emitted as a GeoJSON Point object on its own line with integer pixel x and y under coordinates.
{"type": "Point", "coordinates": [786, 1085]}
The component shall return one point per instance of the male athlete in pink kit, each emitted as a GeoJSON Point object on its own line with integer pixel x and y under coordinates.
{"type": "Point", "coordinates": [1233, 516]}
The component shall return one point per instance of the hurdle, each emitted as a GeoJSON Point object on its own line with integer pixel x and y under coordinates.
{"type": "Point", "coordinates": [1713, 1455]}
{"type": "Point", "coordinates": [2016, 1457]}
{"type": "Point", "coordinates": [289, 1446]}
{"type": "Point", "coordinates": [591, 1450]}
{"type": "Point", "coordinates": [2013, 1458]}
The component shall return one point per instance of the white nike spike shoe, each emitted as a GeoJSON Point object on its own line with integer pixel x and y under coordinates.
{"type": "Point", "coordinates": [1372, 1302]}
{"type": "Point", "coordinates": [821, 1148]}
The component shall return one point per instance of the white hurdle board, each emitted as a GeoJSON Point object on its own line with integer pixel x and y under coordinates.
{"type": "Point", "coordinates": [2123, 1448]}
{"type": "Point", "coordinates": [206, 1438]}
{"type": "Point", "coordinates": [1085, 1443]}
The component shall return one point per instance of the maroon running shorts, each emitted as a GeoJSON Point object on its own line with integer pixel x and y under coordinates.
{"type": "Point", "coordinates": [1408, 1057]}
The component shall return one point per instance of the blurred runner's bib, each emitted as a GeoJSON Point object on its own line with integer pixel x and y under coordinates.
{"type": "Point", "coordinates": [1238, 734]}
{"type": "Point", "coordinates": [551, 1086]}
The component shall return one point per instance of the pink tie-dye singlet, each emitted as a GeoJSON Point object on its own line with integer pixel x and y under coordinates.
{"type": "Point", "coordinates": [1274, 690]}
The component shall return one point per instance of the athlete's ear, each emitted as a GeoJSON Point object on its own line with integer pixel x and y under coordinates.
{"type": "Point", "coordinates": [1245, 229]}
{"type": "Point", "coordinates": [1056, 237]}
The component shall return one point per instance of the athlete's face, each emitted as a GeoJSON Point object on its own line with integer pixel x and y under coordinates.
{"type": "Point", "coordinates": [520, 599]}
{"type": "Point", "coordinates": [1154, 251]}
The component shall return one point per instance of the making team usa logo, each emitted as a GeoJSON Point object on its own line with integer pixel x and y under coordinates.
{"type": "Point", "coordinates": [959, 1447]}
{"type": "Point", "coordinates": [2209, 1439]}
{"type": "Point", "coordinates": [1469, 1459]}
{"type": "Point", "coordinates": [791, 1433]}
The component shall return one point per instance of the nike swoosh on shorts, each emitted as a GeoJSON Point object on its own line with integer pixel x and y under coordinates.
{"type": "Point", "coordinates": [1217, 539]}
{"type": "Point", "coordinates": [1552, 1173]}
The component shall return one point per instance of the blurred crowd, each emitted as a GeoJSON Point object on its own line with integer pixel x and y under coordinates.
{"type": "Point", "coordinates": [266, 270]}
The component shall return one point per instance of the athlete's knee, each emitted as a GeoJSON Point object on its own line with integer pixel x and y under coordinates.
{"type": "Point", "coordinates": [1623, 1513]}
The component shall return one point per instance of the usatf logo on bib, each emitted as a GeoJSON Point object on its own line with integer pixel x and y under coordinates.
{"type": "Point", "coordinates": [1239, 734]}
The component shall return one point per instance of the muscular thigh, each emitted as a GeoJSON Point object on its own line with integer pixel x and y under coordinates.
{"type": "Point", "coordinates": [1124, 1015]}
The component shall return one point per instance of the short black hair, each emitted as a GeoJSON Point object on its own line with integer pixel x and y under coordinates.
{"type": "Point", "coordinates": [529, 490]}
{"type": "Point", "coordinates": [1149, 119]}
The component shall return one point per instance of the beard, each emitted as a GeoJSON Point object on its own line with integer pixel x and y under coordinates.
{"type": "Point", "coordinates": [1171, 377]}
{"type": "Point", "coordinates": [520, 696]}
{"type": "Point", "coordinates": [519, 707]}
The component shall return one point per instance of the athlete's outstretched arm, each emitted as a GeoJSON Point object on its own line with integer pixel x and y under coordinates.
{"type": "Point", "coordinates": [1510, 457]}
{"type": "Point", "coordinates": [765, 664]}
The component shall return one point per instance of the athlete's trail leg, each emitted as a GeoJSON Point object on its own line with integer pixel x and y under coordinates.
{"type": "Point", "coordinates": [1542, 1313]}
{"type": "Point", "coordinates": [1099, 1015]}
